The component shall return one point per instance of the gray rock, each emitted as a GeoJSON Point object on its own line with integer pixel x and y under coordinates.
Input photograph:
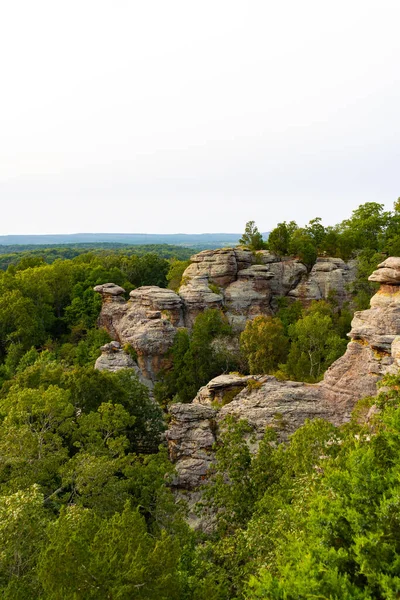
{"type": "Point", "coordinates": [190, 440]}
{"type": "Point", "coordinates": [113, 358]}
{"type": "Point", "coordinates": [381, 323]}
{"type": "Point", "coordinates": [219, 266]}
{"type": "Point", "coordinates": [249, 296]}
{"type": "Point", "coordinates": [243, 283]}
{"type": "Point", "coordinates": [148, 322]}
{"type": "Point", "coordinates": [328, 275]}
{"type": "Point", "coordinates": [110, 292]}
{"type": "Point", "coordinates": [155, 302]}
{"type": "Point", "coordinates": [222, 389]}
{"type": "Point", "coordinates": [198, 297]}
{"type": "Point", "coordinates": [387, 272]}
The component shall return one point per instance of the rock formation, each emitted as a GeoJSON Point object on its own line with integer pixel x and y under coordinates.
{"type": "Point", "coordinates": [374, 350]}
{"type": "Point", "coordinates": [113, 358]}
{"type": "Point", "coordinates": [243, 284]}
{"type": "Point", "coordinates": [328, 275]}
{"type": "Point", "coordinates": [147, 322]}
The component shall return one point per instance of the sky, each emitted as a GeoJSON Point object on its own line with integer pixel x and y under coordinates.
{"type": "Point", "coordinates": [195, 116]}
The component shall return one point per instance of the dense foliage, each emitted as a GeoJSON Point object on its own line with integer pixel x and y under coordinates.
{"type": "Point", "coordinates": [84, 507]}
{"type": "Point", "coordinates": [316, 517]}
{"type": "Point", "coordinates": [54, 306]}
{"type": "Point", "coordinates": [36, 254]}
{"type": "Point", "coordinates": [83, 515]}
{"type": "Point", "coordinates": [370, 228]}
{"type": "Point", "coordinates": [198, 356]}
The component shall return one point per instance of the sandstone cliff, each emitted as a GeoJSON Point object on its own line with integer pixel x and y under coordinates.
{"type": "Point", "coordinates": [373, 351]}
{"type": "Point", "coordinates": [244, 284]}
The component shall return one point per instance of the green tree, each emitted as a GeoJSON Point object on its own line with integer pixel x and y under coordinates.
{"type": "Point", "coordinates": [87, 557]}
{"type": "Point", "coordinates": [365, 228]}
{"type": "Point", "coordinates": [252, 238]}
{"type": "Point", "coordinates": [315, 346]}
{"type": "Point", "coordinates": [302, 244]}
{"type": "Point", "coordinates": [174, 275]}
{"type": "Point", "coordinates": [35, 424]}
{"type": "Point", "coordinates": [279, 238]}
{"type": "Point", "coordinates": [288, 311]}
{"type": "Point", "coordinates": [264, 344]}
{"type": "Point", "coordinates": [23, 522]}
{"type": "Point", "coordinates": [339, 538]}
{"type": "Point", "coordinates": [317, 232]}
{"type": "Point", "coordinates": [19, 322]}
{"type": "Point", "coordinates": [195, 360]}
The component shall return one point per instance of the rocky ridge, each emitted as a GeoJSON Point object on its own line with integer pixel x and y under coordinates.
{"type": "Point", "coordinates": [374, 350]}
{"type": "Point", "coordinates": [240, 282]}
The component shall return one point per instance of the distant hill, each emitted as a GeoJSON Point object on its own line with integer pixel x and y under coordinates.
{"type": "Point", "coordinates": [197, 241]}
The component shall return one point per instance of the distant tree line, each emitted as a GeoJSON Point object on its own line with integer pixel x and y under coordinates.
{"type": "Point", "coordinates": [12, 255]}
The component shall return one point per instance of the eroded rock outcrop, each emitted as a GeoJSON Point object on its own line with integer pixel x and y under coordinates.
{"type": "Point", "coordinates": [236, 280]}
{"type": "Point", "coordinates": [197, 296]}
{"type": "Point", "coordinates": [248, 284]}
{"type": "Point", "coordinates": [147, 322]}
{"type": "Point", "coordinates": [113, 358]}
{"type": "Point", "coordinates": [285, 405]}
{"type": "Point", "coordinates": [328, 276]}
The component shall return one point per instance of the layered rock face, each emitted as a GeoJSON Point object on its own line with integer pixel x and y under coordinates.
{"type": "Point", "coordinates": [147, 322]}
{"type": "Point", "coordinates": [230, 278]}
{"type": "Point", "coordinates": [241, 283]}
{"type": "Point", "coordinates": [285, 405]}
{"type": "Point", "coordinates": [328, 275]}
{"type": "Point", "coordinates": [247, 284]}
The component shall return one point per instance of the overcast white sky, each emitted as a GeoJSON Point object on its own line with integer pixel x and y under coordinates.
{"type": "Point", "coordinates": [195, 116]}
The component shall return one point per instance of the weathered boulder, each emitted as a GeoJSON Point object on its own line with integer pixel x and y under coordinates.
{"type": "Point", "coordinates": [395, 351]}
{"type": "Point", "coordinates": [113, 359]}
{"type": "Point", "coordinates": [151, 338]}
{"type": "Point", "coordinates": [244, 258]}
{"type": "Point", "coordinates": [197, 297]}
{"type": "Point", "coordinates": [287, 275]}
{"type": "Point", "coordinates": [155, 302]}
{"type": "Point", "coordinates": [190, 441]}
{"type": "Point", "coordinates": [266, 257]}
{"type": "Point", "coordinates": [379, 325]}
{"type": "Point", "coordinates": [247, 283]}
{"type": "Point", "coordinates": [328, 276]}
{"type": "Point", "coordinates": [222, 389]}
{"type": "Point", "coordinates": [388, 271]}
{"type": "Point", "coordinates": [148, 322]}
{"type": "Point", "coordinates": [242, 283]}
{"type": "Point", "coordinates": [249, 296]}
{"type": "Point", "coordinates": [110, 292]}
{"type": "Point", "coordinates": [219, 266]}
